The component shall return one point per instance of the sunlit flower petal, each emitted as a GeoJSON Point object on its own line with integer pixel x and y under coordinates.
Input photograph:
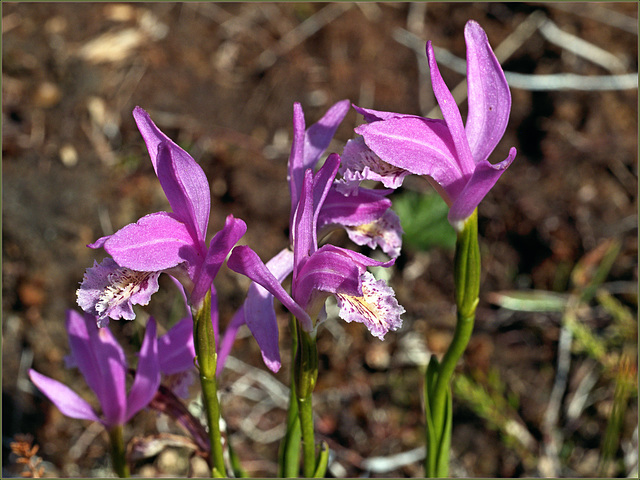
{"type": "Point", "coordinates": [359, 163]}
{"type": "Point", "coordinates": [452, 154]}
{"type": "Point", "coordinates": [110, 291]}
{"type": "Point", "coordinates": [384, 232]}
{"type": "Point", "coordinates": [377, 307]}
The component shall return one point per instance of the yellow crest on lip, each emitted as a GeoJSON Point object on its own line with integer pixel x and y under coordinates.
{"type": "Point", "coordinates": [123, 284]}
{"type": "Point", "coordinates": [377, 308]}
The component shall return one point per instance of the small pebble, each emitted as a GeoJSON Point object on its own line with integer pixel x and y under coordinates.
{"type": "Point", "coordinates": [68, 155]}
{"type": "Point", "coordinates": [47, 95]}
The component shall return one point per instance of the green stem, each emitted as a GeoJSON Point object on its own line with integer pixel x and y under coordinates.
{"type": "Point", "coordinates": [305, 411]}
{"type": "Point", "coordinates": [289, 455]}
{"type": "Point", "coordinates": [118, 456]}
{"type": "Point", "coordinates": [431, 458]}
{"type": "Point", "coordinates": [306, 374]}
{"type": "Point", "coordinates": [206, 357]}
{"type": "Point", "coordinates": [467, 282]}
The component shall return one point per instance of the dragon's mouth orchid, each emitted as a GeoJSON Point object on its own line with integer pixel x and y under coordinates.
{"type": "Point", "coordinates": [160, 242]}
{"type": "Point", "coordinates": [363, 213]}
{"type": "Point", "coordinates": [102, 363]}
{"type": "Point", "coordinates": [320, 272]}
{"type": "Point", "coordinates": [452, 154]}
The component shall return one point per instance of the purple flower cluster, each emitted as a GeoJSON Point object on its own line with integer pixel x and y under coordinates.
{"type": "Point", "coordinates": [325, 195]}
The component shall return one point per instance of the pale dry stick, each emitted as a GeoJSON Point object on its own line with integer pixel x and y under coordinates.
{"type": "Point", "coordinates": [246, 23]}
{"type": "Point", "coordinates": [630, 450]}
{"type": "Point", "coordinates": [100, 143]}
{"type": "Point", "coordinates": [580, 47]}
{"type": "Point", "coordinates": [552, 436]}
{"type": "Point", "coordinates": [580, 399]}
{"type": "Point", "coordinates": [570, 81]}
{"type": "Point", "coordinates": [415, 18]}
{"type": "Point", "coordinates": [416, 25]}
{"type": "Point", "coordinates": [11, 21]}
{"type": "Point", "coordinates": [366, 96]}
{"type": "Point", "coordinates": [370, 10]}
{"type": "Point", "coordinates": [506, 48]}
{"type": "Point", "coordinates": [559, 81]}
{"type": "Point", "coordinates": [130, 82]}
{"type": "Point", "coordinates": [412, 38]}
{"type": "Point", "coordinates": [392, 462]}
{"type": "Point", "coordinates": [300, 33]}
{"type": "Point", "coordinates": [600, 13]}
{"type": "Point", "coordinates": [273, 387]}
{"type": "Point", "coordinates": [105, 221]}
{"type": "Point", "coordinates": [415, 43]}
{"type": "Point", "coordinates": [272, 13]}
{"type": "Point", "coordinates": [244, 387]}
{"type": "Point", "coordinates": [249, 424]}
{"type": "Point", "coordinates": [80, 446]}
{"type": "Point", "coordinates": [212, 11]}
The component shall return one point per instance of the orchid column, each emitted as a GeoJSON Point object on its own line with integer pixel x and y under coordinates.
{"type": "Point", "coordinates": [453, 156]}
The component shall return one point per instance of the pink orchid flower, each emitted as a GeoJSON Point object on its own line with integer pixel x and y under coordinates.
{"type": "Point", "coordinates": [452, 154]}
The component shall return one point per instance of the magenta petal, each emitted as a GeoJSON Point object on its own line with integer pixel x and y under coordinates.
{"type": "Point", "coordinates": [182, 179]}
{"type": "Point", "coordinates": [220, 246]}
{"type": "Point", "coordinates": [322, 182]}
{"type": "Point", "coordinates": [147, 379]}
{"type": "Point", "coordinates": [371, 115]}
{"type": "Point", "coordinates": [186, 187]}
{"type": "Point", "coordinates": [420, 145]}
{"type": "Point", "coordinates": [483, 179]}
{"type": "Point", "coordinates": [451, 114]}
{"type": "Point", "coordinates": [245, 261]}
{"type": "Point", "coordinates": [175, 348]}
{"type": "Point", "coordinates": [329, 270]}
{"type": "Point", "coordinates": [360, 260]}
{"type": "Point", "coordinates": [102, 363]}
{"type": "Point", "coordinates": [100, 242]}
{"type": "Point", "coordinates": [314, 190]}
{"type": "Point", "coordinates": [67, 401]}
{"type": "Point", "coordinates": [296, 165]}
{"type": "Point", "coordinates": [363, 207]}
{"type": "Point", "coordinates": [489, 96]}
{"type": "Point", "coordinates": [304, 232]}
{"type": "Point", "coordinates": [84, 356]}
{"type": "Point", "coordinates": [259, 314]}
{"type": "Point", "coordinates": [151, 134]}
{"type": "Point", "coordinates": [318, 136]}
{"type": "Point", "coordinates": [155, 242]}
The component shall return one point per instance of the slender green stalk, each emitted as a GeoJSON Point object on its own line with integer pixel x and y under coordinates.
{"type": "Point", "coordinates": [323, 461]}
{"type": "Point", "coordinates": [289, 455]}
{"type": "Point", "coordinates": [206, 356]}
{"type": "Point", "coordinates": [431, 459]}
{"type": "Point", "coordinates": [437, 388]}
{"type": "Point", "coordinates": [305, 411]}
{"type": "Point", "coordinates": [306, 374]}
{"type": "Point", "coordinates": [118, 457]}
